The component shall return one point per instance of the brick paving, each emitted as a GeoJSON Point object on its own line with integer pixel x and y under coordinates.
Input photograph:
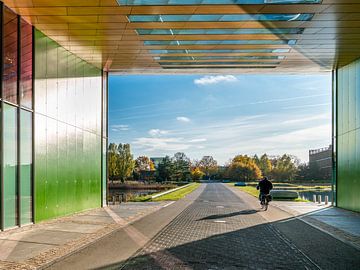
{"type": "Point", "coordinates": [219, 231]}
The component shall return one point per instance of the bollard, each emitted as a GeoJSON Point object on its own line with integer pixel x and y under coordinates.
{"type": "Point", "coordinates": [326, 200]}
{"type": "Point", "coordinates": [120, 198]}
{"type": "Point", "coordinates": [113, 200]}
{"type": "Point", "coordinates": [314, 198]}
{"type": "Point", "coordinates": [319, 198]}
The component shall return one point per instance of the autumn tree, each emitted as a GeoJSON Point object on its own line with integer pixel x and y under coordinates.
{"type": "Point", "coordinates": [196, 174]}
{"type": "Point", "coordinates": [243, 168]}
{"type": "Point", "coordinates": [208, 165]}
{"type": "Point", "coordinates": [144, 168]}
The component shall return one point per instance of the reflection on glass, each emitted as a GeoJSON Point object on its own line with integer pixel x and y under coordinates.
{"type": "Point", "coordinates": [248, 31]}
{"type": "Point", "coordinates": [25, 166]}
{"type": "Point", "coordinates": [9, 164]}
{"type": "Point", "coordinates": [246, 57]}
{"type": "Point", "coordinates": [222, 17]}
{"type": "Point", "coordinates": [10, 56]}
{"type": "Point", "coordinates": [26, 65]}
{"type": "Point", "coordinates": [216, 63]}
{"type": "Point", "coordinates": [221, 51]}
{"type": "Point", "coordinates": [220, 42]}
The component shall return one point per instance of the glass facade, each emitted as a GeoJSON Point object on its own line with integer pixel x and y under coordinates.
{"type": "Point", "coordinates": [10, 56]}
{"type": "Point", "coordinates": [26, 64]}
{"type": "Point", "coordinates": [221, 17]}
{"type": "Point", "coordinates": [9, 165]}
{"type": "Point", "coordinates": [16, 198]}
{"type": "Point", "coordinates": [25, 169]}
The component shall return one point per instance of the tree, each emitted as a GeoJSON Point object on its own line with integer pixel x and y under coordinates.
{"type": "Point", "coordinates": [181, 167]}
{"type": "Point", "coordinates": [196, 174]}
{"type": "Point", "coordinates": [144, 168]}
{"type": "Point", "coordinates": [113, 161]}
{"type": "Point", "coordinates": [284, 167]}
{"type": "Point", "coordinates": [143, 163]}
{"type": "Point", "coordinates": [208, 165]}
{"type": "Point", "coordinates": [265, 165]}
{"type": "Point", "coordinates": [165, 169]}
{"type": "Point", "coordinates": [126, 163]}
{"type": "Point", "coordinates": [243, 168]}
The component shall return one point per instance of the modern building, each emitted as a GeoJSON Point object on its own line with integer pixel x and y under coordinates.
{"type": "Point", "coordinates": [322, 160]}
{"type": "Point", "coordinates": [55, 59]}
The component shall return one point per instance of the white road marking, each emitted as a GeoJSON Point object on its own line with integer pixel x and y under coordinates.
{"type": "Point", "coordinates": [220, 221]}
{"type": "Point", "coordinates": [166, 205]}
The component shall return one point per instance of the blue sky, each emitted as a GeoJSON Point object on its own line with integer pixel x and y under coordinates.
{"type": "Point", "coordinates": [220, 115]}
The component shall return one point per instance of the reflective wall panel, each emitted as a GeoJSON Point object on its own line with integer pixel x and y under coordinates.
{"type": "Point", "coordinates": [348, 136]}
{"type": "Point", "coordinates": [10, 53]}
{"type": "Point", "coordinates": [25, 167]}
{"type": "Point", "coordinates": [68, 131]}
{"type": "Point", "coordinates": [9, 165]}
{"type": "Point", "coordinates": [25, 86]}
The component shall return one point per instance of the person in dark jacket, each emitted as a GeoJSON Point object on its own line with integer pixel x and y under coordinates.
{"type": "Point", "coordinates": [264, 186]}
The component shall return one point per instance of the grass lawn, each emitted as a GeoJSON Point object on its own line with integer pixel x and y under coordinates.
{"type": "Point", "coordinates": [254, 192]}
{"type": "Point", "coordinates": [173, 196]}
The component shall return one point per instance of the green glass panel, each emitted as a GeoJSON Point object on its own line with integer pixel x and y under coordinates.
{"type": "Point", "coordinates": [348, 140]}
{"type": "Point", "coordinates": [25, 166]}
{"type": "Point", "coordinates": [104, 172]}
{"type": "Point", "coordinates": [67, 141]}
{"type": "Point", "coordinates": [10, 165]}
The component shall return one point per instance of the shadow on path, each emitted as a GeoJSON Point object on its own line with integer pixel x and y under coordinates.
{"type": "Point", "coordinates": [233, 214]}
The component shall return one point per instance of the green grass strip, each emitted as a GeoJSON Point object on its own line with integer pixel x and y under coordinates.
{"type": "Point", "coordinates": [173, 196]}
{"type": "Point", "coordinates": [179, 194]}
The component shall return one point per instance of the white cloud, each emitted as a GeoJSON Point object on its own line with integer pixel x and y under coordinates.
{"type": "Point", "coordinates": [183, 119]}
{"type": "Point", "coordinates": [206, 80]}
{"type": "Point", "coordinates": [161, 144]}
{"type": "Point", "coordinates": [157, 132]}
{"type": "Point", "coordinates": [198, 140]}
{"type": "Point", "coordinates": [120, 127]}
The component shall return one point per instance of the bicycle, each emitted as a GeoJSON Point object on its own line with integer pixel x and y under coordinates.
{"type": "Point", "coordinates": [265, 199]}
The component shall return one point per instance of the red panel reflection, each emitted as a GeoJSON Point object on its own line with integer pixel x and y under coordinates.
{"type": "Point", "coordinates": [10, 56]}
{"type": "Point", "coordinates": [26, 65]}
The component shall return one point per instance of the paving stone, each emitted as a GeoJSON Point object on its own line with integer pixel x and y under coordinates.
{"type": "Point", "coordinates": [194, 241]}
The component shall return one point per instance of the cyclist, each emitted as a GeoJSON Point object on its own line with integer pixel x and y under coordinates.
{"type": "Point", "coordinates": [264, 186]}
